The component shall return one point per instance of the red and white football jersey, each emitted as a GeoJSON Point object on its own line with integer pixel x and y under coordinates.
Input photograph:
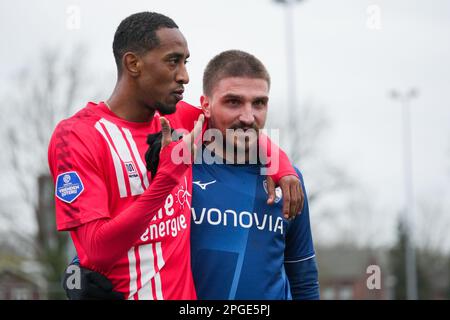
{"type": "Point", "coordinates": [98, 165]}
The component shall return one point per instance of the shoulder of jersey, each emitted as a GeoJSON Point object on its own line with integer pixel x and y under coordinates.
{"type": "Point", "coordinates": [83, 122]}
{"type": "Point", "coordinates": [183, 104]}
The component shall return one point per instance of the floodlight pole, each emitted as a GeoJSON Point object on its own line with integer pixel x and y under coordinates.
{"type": "Point", "coordinates": [410, 253]}
{"type": "Point", "coordinates": [291, 84]}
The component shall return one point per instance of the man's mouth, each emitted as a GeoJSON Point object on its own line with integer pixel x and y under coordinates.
{"type": "Point", "coordinates": [178, 94]}
{"type": "Point", "coordinates": [245, 129]}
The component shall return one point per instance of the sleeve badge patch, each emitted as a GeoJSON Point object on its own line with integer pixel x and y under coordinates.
{"type": "Point", "coordinates": [68, 186]}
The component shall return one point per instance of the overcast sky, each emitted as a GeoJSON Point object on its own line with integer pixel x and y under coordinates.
{"type": "Point", "coordinates": [345, 61]}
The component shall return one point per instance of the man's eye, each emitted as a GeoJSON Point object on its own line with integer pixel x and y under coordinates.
{"type": "Point", "coordinates": [233, 101]}
{"type": "Point", "coordinates": [259, 103]}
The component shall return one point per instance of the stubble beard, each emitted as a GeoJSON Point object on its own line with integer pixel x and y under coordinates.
{"type": "Point", "coordinates": [165, 109]}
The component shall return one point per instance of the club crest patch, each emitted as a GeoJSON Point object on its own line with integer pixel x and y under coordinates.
{"type": "Point", "coordinates": [68, 186]}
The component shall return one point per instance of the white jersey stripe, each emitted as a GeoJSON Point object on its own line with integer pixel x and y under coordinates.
{"type": "Point", "coordinates": [133, 273]}
{"type": "Point", "coordinates": [158, 288]}
{"type": "Point", "coordinates": [160, 260]}
{"type": "Point", "coordinates": [160, 263]}
{"type": "Point", "coordinates": [124, 154]}
{"type": "Point", "coordinates": [138, 158]}
{"type": "Point", "coordinates": [147, 271]}
{"type": "Point", "coordinates": [300, 260]}
{"type": "Point", "coordinates": [117, 163]}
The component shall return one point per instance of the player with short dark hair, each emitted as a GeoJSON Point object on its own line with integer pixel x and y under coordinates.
{"type": "Point", "coordinates": [232, 63]}
{"type": "Point", "coordinates": [104, 195]}
{"type": "Point", "coordinates": [137, 33]}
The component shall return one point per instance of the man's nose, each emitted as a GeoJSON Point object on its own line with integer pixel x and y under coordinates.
{"type": "Point", "coordinates": [182, 76]}
{"type": "Point", "coordinates": [247, 117]}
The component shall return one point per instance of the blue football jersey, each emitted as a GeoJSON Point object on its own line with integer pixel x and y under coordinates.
{"type": "Point", "coordinates": [239, 244]}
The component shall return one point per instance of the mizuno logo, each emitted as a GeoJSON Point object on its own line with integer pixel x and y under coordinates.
{"type": "Point", "coordinates": [203, 185]}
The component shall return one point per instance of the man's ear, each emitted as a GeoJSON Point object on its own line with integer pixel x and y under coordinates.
{"type": "Point", "coordinates": [131, 64]}
{"type": "Point", "coordinates": [206, 107]}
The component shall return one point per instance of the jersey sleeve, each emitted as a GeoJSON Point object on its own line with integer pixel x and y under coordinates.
{"type": "Point", "coordinates": [303, 279]}
{"type": "Point", "coordinates": [300, 262]}
{"type": "Point", "coordinates": [98, 237]}
{"type": "Point", "coordinates": [299, 243]}
{"type": "Point", "coordinates": [80, 190]}
{"type": "Point", "coordinates": [277, 161]}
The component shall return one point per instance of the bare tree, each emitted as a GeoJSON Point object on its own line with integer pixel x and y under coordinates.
{"type": "Point", "coordinates": [302, 143]}
{"type": "Point", "coordinates": [433, 274]}
{"type": "Point", "coordinates": [327, 182]}
{"type": "Point", "coordinates": [432, 228]}
{"type": "Point", "coordinates": [43, 93]}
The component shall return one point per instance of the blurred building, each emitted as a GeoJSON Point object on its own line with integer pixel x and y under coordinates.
{"type": "Point", "coordinates": [20, 276]}
{"type": "Point", "coordinates": [16, 285]}
{"type": "Point", "coordinates": [434, 275]}
{"type": "Point", "coordinates": [343, 273]}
